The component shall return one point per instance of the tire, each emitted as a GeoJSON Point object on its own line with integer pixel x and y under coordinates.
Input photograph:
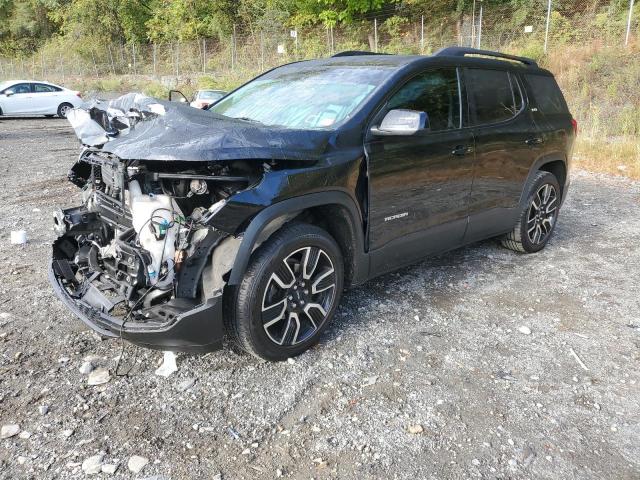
{"type": "Point", "coordinates": [63, 109]}
{"type": "Point", "coordinates": [281, 308]}
{"type": "Point", "coordinates": [535, 226]}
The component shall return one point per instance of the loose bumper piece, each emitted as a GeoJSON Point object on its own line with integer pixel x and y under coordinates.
{"type": "Point", "coordinates": [181, 326]}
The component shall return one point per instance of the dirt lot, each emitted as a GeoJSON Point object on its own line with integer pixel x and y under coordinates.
{"type": "Point", "coordinates": [436, 349]}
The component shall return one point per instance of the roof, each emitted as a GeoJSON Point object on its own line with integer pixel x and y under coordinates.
{"type": "Point", "coordinates": [10, 83]}
{"type": "Point", "coordinates": [459, 55]}
{"type": "Point", "coordinates": [30, 81]}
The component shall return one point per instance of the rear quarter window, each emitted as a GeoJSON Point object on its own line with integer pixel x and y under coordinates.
{"type": "Point", "coordinates": [547, 97]}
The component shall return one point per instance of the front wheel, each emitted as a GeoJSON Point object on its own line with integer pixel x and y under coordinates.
{"type": "Point", "coordinates": [539, 217]}
{"type": "Point", "coordinates": [289, 293]}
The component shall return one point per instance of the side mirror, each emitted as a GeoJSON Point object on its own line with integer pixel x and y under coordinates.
{"type": "Point", "coordinates": [9, 92]}
{"type": "Point", "coordinates": [402, 122]}
{"type": "Point", "coordinates": [177, 96]}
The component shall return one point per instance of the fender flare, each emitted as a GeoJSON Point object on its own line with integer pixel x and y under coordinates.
{"type": "Point", "coordinates": [551, 157]}
{"type": "Point", "coordinates": [294, 205]}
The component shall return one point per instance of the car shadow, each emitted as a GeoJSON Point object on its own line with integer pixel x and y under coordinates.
{"type": "Point", "coordinates": [433, 274]}
{"type": "Point", "coordinates": [32, 117]}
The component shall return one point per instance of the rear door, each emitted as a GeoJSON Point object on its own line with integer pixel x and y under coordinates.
{"type": "Point", "coordinates": [46, 98]}
{"type": "Point", "coordinates": [507, 144]}
{"type": "Point", "coordinates": [551, 114]}
{"type": "Point", "coordinates": [18, 102]}
{"type": "Point", "coordinates": [420, 184]}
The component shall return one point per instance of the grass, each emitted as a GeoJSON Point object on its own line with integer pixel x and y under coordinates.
{"type": "Point", "coordinates": [601, 87]}
{"type": "Point", "coordinates": [616, 157]}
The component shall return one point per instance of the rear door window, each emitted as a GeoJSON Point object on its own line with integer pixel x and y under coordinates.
{"type": "Point", "coordinates": [42, 88]}
{"type": "Point", "coordinates": [547, 97]}
{"type": "Point", "coordinates": [435, 92]}
{"type": "Point", "coordinates": [494, 95]}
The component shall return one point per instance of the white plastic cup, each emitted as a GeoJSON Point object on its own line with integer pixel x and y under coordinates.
{"type": "Point", "coordinates": [18, 237]}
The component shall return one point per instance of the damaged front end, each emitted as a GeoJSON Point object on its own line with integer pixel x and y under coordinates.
{"type": "Point", "coordinates": [135, 259]}
{"type": "Point", "coordinates": [175, 200]}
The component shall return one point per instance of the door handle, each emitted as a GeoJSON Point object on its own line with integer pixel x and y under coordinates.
{"type": "Point", "coordinates": [534, 141]}
{"type": "Point", "coordinates": [462, 150]}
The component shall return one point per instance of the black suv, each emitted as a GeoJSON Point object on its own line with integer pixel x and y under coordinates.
{"type": "Point", "coordinates": [250, 219]}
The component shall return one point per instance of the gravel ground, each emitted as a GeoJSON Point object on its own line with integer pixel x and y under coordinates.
{"type": "Point", "coordinates": [480, 363]}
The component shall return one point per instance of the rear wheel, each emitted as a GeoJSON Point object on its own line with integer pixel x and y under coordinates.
{"type": "Point", "coordinates": [288, 294]}
{"type": "Point", "coordinates": [64, 109]}
{"type": "Point", "coordinates": [538, 219]}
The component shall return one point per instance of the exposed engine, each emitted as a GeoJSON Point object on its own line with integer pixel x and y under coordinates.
{"type": "Point", "coordinates": [143, 236]}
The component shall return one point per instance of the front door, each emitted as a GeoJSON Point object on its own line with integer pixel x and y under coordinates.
{"type": "Point", "coordinates": [420, 183]}
{"type": "Point", "coordinates": [18, 102]}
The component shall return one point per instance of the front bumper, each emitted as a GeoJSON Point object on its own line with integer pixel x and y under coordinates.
{"type": "Point", "coordinates": [180, 327]}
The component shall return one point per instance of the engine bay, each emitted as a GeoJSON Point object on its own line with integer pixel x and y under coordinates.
{"type": "Point", "coordinates": [140, 242]}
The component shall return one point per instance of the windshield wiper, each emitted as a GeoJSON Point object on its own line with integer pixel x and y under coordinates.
{"type": "Point", "coordinates": [247, 119]}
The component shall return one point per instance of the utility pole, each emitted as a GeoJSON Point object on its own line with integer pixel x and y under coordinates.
{"type": "Point", "coordinates": [155, 71]}
{"type": "Point", "coordinates": [546, 32]}
{"type": "Point", "coordinates": [332, 44]}
{"type": "Point", "coordinates": [480, 26]}
{"type": "Point", "coordinates": [473, 24]}
{"type": "Point", "coordinates": [233, 48]}
{"type": "Point", "coordinates": [113, 68]}
{"type": "Point", "coordinates": [133, 52]}
{"type": "Point", "coordinates": [95, 66]}
{"type": "Point", "coordinates": [204, 55]}
{"type": "Point", "coordinates": [61, 66]}
{"type": "Point", "coordinates": [375, 35]}
{"type": "Point", "coordinates": [261, 51]}
{"type": "Point", "coordinates": [626, 38]}
{"type": "Point", "coordinates": [294, 34]}
{"type": "Point", "coordinates": [177, 61]}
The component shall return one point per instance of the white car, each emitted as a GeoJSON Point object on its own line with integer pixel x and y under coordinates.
{"type": "Point", "coordinates": [30, 97]}
{"type": "Point", "coordinates": [204, 98]}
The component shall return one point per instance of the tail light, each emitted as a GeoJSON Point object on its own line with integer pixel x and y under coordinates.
{"type": "Point", "coordinates": [79, 94]}
{"type": "Point", "coordinates": [574, 124]}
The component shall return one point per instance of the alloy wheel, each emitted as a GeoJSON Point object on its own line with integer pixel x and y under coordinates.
{"type": "Point", "coordinates": [298, 296]}
{"type": "Point", "coordinates": [542, 214]}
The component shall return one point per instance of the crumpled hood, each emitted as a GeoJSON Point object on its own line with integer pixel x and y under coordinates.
{"type": "Point", "coordinates": [137, 127]}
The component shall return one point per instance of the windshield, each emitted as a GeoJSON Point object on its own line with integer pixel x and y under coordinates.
{"type": "Point", "coordinates": [295, 97]}
{"type": "Point", "coordinates": [208, 95]}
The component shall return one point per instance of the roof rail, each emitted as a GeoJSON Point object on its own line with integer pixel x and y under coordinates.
{"type": "Point", "coordinates": [463, 51]}
{"type": "Point", "coordinates": [355, 53]}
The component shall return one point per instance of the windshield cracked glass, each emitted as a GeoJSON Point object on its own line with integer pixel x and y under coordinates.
{"type": "Point", "coordinates": [303, 98]}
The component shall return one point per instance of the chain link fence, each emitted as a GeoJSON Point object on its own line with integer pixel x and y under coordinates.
{"type": "Point", "coordinates": [537, 27]}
